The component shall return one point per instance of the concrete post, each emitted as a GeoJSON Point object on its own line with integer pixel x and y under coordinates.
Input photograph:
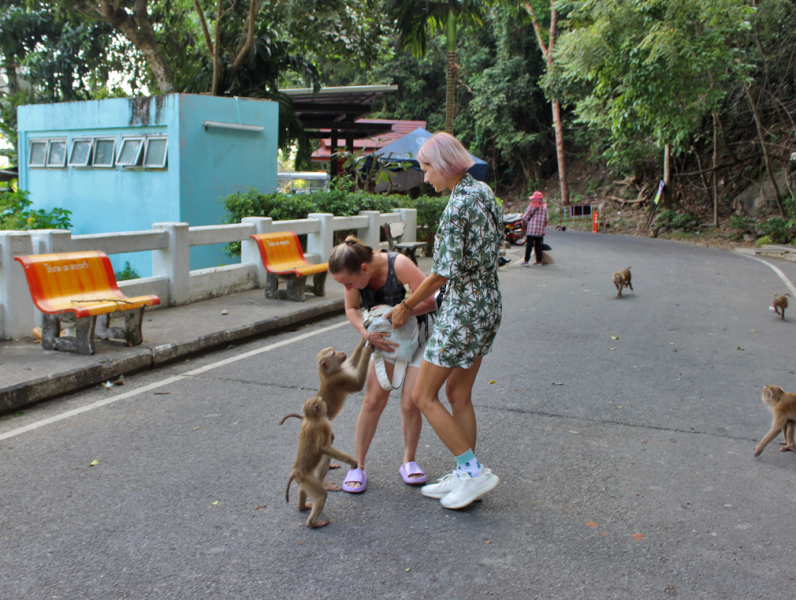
{"type": "Point", "coordinates": [371, 234]}
{"type": "Point", "coordinates": [409, 216]}
{"type": "Point", "coordinates": [49, 241]}
{"type": "Point", "coordinates": [249, 252]}
{"type": "Point", "coordinates": [17, 313]}
{"type": "Point", "coordinates": [321, 242]}
{"type": "Point", "coordinates": [174, 262]}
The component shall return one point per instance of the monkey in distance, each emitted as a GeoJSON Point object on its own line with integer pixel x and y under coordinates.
{"type": "Point", "coordinates": [783, 409]}
{"type": "Point", "coordinates": [621, 280]}
{"type": "Point", "coordinates": [315, 443]}
{"type": "Point", "coordinates": [780, 303]}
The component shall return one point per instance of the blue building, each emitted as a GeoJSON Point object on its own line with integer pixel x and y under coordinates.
{"type": "Point", "coordinates": [123, 164]}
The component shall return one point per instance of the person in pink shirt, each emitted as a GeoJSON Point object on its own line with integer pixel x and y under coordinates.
{"type": "Point", "coordinates": [535, 220]}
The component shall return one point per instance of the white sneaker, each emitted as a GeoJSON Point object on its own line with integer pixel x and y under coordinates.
{"type": "Point", "coordinates": [443, 486]}
{"type": "Point", "coordinates": [468, 490]}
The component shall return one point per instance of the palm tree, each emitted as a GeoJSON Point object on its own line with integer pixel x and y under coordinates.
{"type": "Point", "coordinates": [417, 19]}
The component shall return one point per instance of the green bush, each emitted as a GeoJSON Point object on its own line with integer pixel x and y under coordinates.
{"type": "Point", "coordinates": [743, 224]}
{"type": "Point", "coordinates": [127, 273]}
{"type": "Point", "coordinates": [763, 241]}
{"type": "Point", "coordinates": [675, 220]}
{"type": "Point", "coordinates": [337, 201]}
{"type": "Point", "coordinates": [778, 229]}
{"type": "Point", "coordinates": [15, 214]}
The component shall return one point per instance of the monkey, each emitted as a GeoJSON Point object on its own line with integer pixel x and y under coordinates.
{"type": "Point", "coordinates": [783, 409]}
{"type": "Point", "coordinates": [339, 377]}
{"type": "Point", "coordinates": [315, 443]}
{"type": "Point", "coordinates": [622, 279]}
{"type": "Point", "coordinates": [780, 302]}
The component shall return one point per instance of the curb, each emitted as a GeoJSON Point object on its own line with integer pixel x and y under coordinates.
{"type": "Point", "coordinates": [22, 395]}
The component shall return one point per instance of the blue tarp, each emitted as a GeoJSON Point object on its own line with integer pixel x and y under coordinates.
{"type": "Point", "coordinates": [405, 150]}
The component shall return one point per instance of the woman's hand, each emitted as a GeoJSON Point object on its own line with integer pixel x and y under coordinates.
{"type": "Point", "coordinates": [398, 316]}
{"type": "Point", "coordinates": [380, 342]}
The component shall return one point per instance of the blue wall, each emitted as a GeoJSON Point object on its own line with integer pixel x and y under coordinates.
{"type": "Point", "coordinates": [204, 165]}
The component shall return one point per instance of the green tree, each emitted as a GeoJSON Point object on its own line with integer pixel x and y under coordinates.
{"type": "Point", "coordinates": [651, 69]}
{"type": "Point", "coordinates": [415, 20]}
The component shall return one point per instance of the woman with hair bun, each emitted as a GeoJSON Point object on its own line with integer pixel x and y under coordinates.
{"type": "Point", "coordinates": [372, 279]}
{"type": "Point", "coordinates": [466, 261]}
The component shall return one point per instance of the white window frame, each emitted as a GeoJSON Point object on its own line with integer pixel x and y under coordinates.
{"type": "Point", "coordinates": [88, 158]}
{"type": "Point", "coordinates": [94, 163]}
{"type": "Point", "coordinates": [50, 147]}
{"type": "Point", "coordinates": [165, 152]}
{"type": "Point", "coordinates": [46, 153]}
{"type": "Point", "coordinates": [132, 138]}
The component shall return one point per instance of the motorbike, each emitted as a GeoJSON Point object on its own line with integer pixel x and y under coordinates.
{"type": "Point", "coordinates": [513, 229]}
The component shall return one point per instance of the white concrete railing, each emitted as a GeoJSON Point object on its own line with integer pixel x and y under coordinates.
{"type": "Point", "coordinates": [172, 280]}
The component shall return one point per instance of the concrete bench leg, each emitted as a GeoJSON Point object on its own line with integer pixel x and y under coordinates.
{"type": "Point", "coordinates": [318, 286]}
{"type": "Point", "coordinates": [294, 291]}
{"type": "Point", "coordinates": [130, 333]}
{"type": "Point", "coordinates": [81, 343]}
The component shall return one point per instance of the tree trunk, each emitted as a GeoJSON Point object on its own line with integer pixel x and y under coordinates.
{"type": "Point", "coordinates": [547, 51]}
{"type": "Point", "coordinates": [138, 30]}
{"type": "Point", "coordinates": [766, 158]}
{"type": "Point", "coordinates": [450, 92]}
{"type": "Point", "coordinates": [667, 177]}
{"type": "Point", "coordinates": [715, 171]}
{"type": "Point", "coordinates": [562, 159]}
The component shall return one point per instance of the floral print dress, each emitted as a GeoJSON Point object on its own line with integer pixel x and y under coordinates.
{"type": "Point", "coordinates": [466, 254]}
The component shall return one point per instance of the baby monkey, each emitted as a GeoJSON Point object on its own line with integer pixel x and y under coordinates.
{"type": "Point", "coordinates": [783, 408]}
{"type": "Point", "coordinates": [621, 280]}
{"type": "Point", "coordinates": [780, 303]}
{"type": "Point", "coordinates": [315, 443]}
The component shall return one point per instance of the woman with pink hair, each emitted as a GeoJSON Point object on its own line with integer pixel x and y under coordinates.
{"type": "Point", "coordinates": [466, 262]}
{"type": "Point", "coordinates": [535, 220]}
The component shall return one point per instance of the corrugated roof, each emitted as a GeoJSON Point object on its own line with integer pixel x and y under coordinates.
{"type": "Point", "coordinates": [368, 145]}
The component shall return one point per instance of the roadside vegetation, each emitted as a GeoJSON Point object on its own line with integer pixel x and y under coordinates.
{"type": "Point", "coordinates": [699, 94]}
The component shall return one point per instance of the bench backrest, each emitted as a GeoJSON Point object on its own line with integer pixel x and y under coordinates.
{"type": "Point", "coordinates": [54, 278]}
{"type": "Point", "coordinates": [280, 251]}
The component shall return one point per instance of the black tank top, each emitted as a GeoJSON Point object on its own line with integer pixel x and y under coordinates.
{"type": "Point", "coordinates": [391, 293]}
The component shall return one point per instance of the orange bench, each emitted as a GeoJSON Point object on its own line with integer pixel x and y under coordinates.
{"type": "Point", "coordinates": [284, 260]}
{"type": "Point", "coordinates": [72, 289]}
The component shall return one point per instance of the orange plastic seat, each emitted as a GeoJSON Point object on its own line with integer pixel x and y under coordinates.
{"type": "Point", "coordinates": [82, 283]}
{"type": "Point", "coordinates": [282, 254]}
{"type": "Point", "coordinates": [283, 258]}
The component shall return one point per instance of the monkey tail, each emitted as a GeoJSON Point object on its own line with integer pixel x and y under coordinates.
{"type": "Point", "coordinates": [293, 475]}
{"type": "Point", "coordinates": [286, 417]}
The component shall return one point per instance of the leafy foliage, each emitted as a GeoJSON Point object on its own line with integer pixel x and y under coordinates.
{"type": "Point", "coordinates": [15, 214]}
{"type": "Point", "coordinates": [777, 229]}
{"type": "Point", "coordinates": [672, 219]}
{"type": "Point", "coordinates": [339, 202]}
{"type": "Point", "coordinates": [127, 273]}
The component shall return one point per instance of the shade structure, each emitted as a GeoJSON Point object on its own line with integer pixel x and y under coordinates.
{"type": "Point", "coordinates": [404, 150]}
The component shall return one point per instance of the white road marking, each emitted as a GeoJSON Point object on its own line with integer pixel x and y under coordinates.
{"type": "Point", "coordinates": [164, 382]}
{"type": "Point", "coordinates": [781, 275]}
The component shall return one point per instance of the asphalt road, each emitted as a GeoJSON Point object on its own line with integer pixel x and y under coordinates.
{"type": "Point", "coordinates": [626, 464]}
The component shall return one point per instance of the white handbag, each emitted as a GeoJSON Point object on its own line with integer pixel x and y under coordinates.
{"type": "Point", "coordinates": [405, 337]}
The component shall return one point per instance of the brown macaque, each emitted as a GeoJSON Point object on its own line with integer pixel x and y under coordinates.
{"type": "Point", "coordinates": [783, 409]}
{"type": "Point", "coordinates": [339, 377]}
{"type": "Point", "coordinates": [780, 303]}
{"type": "Point", "coordinates": [621, 280]}
{"type": "Point", "coordinates": [315, 443]}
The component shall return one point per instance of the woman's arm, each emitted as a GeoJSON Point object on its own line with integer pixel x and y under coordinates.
{"type": "Point", "coordinates": [407, 272]}
{"type": "Point", "coordinates": [400, 314]}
